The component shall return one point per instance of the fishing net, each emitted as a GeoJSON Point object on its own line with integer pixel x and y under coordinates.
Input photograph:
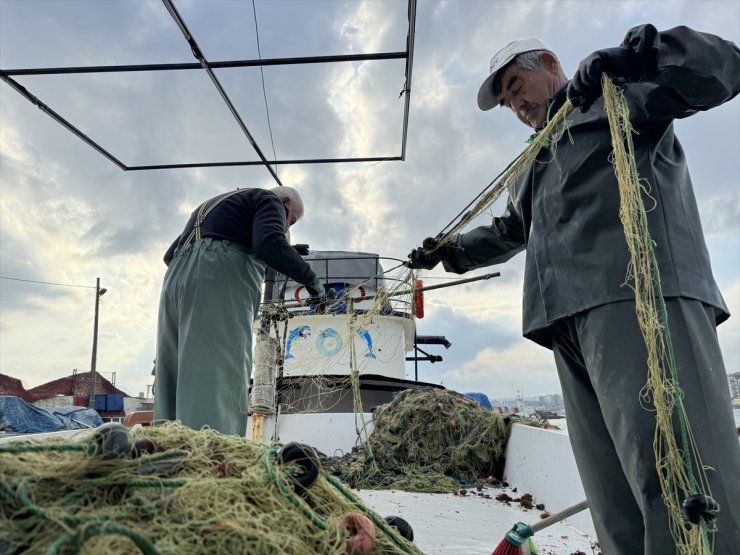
{"type": "Point", "coordinates": [355, 335]}
{"type": "Point", "coordinates": [187, 492]}
{"type": "Point", "coordinates": [427, 440]}
{"type": "Point", "coordinates": [678, 463]}
{"type": "Point", "coordinates": [556, 128]}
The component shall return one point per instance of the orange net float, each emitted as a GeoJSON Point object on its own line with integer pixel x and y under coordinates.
{"type": "Point", "coordinates": [419, 299]}
{"type": "Point", "coordinates": [362, 534]}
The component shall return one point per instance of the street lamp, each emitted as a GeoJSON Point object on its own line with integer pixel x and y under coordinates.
{"type": "Point", "coordinates": [98, 293]}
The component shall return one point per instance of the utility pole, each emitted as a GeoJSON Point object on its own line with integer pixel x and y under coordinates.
{"type": "Point", "coordinates": [98, 293]}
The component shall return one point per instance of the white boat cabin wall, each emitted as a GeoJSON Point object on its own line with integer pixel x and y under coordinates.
{"type": "Point", "coordinates": [318, 344]}
{"type": "Point", "coordinates": [314, 381]}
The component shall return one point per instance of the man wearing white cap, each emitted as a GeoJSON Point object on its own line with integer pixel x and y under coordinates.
{"type": "Point", "coordinates": [564, 211]}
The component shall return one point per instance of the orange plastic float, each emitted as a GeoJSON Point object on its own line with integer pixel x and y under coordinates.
{"type": "Point", "coordinates": [419, 299]}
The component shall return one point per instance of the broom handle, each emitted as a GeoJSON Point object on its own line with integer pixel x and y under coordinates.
{"type": "Point", "coordinates": [557, 517]}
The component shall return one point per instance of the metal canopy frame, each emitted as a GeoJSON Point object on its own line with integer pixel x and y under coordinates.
{"type": "Point", "coordinates": [209, 67]}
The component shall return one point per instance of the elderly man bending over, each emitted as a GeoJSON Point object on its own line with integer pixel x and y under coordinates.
{"type": "Point", "coordinates": [209, 301]}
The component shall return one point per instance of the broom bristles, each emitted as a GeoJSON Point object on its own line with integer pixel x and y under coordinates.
{"type": "Point", "coordinates": [508, 548]}
{"type": "Point", "coordinates": [505, 547]}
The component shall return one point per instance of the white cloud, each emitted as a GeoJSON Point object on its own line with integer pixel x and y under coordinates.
{"type": "Point", "coordinates": [500, 373]}
{"type": "Point", "coordinates": [497, 298]}
{"type": "Point", "coordinates": [69, 215]}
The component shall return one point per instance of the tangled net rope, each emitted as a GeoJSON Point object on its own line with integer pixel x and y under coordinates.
{"type": "Point", "coordinates": [547, 138]}
{"type": "Point", "coordinates": [427, 440]}
{"type": "Point", "coordinates": [680, 468]}
{"type": "Point", "coordinates": [401, 290]}
{"type": "Point", "coordinates": [197, 492]}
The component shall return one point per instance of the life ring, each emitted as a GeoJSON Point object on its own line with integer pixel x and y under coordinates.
{"type": "Point", "coordinates": [419, 299]}
{"type": "Point", "coordinates": [362, 533]}
{"type": "Point", "coordinates": [306, 457]}
{"type": "Point", "coordinates": [340, 293]}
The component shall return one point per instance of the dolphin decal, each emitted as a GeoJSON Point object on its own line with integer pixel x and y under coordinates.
{"type": "Point", "coordinates": [301, 332]}
{"type": "Point", "coordinates": [362, 332]}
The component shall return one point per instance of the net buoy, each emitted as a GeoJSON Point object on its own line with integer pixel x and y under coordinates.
{"type": "Point", "coordinates": [145, 446]}
{"type": "Point", "coordinates": [362, 530]}
{"type": "Point", "coordinates": [403, 527]}
{"type": "Point", "coordinates": [111, 441]}
{"type": "Point", "coordinates": [699, 506]}
{"type": "Point", "coordinates": [307, 459]}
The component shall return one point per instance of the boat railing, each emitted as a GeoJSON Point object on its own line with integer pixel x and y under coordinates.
{"type": "Point", "coordinates": [367, 288]}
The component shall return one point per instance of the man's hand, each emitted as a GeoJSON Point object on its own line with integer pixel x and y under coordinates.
{"type": "Point", "coordinates": [301, 248]}
{"type": "Point", "coordinates": [315, 289]}
{"type": "Point", "coordinates": [317, 295]}
{"type": "Point", "coordinates": [419, 259]}
{"type": "Point", "coordinates": [621, 63]}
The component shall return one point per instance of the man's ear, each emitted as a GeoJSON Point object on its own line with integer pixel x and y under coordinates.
{"type": "Point", "coordinates": [550, 62]}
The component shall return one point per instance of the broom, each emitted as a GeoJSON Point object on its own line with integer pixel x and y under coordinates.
{"type": "Point", "coordinates": [521, 532]}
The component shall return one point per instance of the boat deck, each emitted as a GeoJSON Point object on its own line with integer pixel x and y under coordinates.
{"type": "Point", "coordinates": [447, 524]}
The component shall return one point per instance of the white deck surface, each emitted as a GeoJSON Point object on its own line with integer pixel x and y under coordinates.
{"type": "Point", "coordinates": [471, 525]}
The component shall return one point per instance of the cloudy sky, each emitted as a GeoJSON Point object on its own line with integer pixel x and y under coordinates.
{"type": "Point", "coordinates": [68, 215]}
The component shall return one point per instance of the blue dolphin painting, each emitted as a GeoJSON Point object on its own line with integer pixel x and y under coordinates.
{"type": "Point", "coordinates": [295, 333]}
{"type": "Point", "coordinates": [362, 332]}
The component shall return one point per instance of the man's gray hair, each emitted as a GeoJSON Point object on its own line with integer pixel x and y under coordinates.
{"type": "Point", "coordinates": [295, 198]}
{"type": "Point", "coordinates": [528, 60]}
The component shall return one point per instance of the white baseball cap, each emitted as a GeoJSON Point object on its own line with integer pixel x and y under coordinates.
{"type": "Point", "coordinates": [486, 100]}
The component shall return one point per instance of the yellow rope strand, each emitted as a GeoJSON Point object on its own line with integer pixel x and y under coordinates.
{"type": "Point", "coordinates": [548, 136]}
{"type": "Point", "coordinates": [662, 389]}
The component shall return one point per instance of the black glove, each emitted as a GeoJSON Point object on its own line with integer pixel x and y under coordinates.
{"type": "Point", "coordinates": [317, 296]}
{"type": "Point", "coordinates": [419, 259]}
{"type": "Point", "coordinates": [315, 289]}
{"type": "Point", "coordinates": [301, 248]}
{"type": "Point", "coordinates": [621, 63]}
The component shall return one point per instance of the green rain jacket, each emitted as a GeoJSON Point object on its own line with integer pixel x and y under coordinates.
{"type": "Point", "coordinates": [565, 209]}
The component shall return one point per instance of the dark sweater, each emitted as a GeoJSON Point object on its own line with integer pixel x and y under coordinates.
{"type": "Point", "coordinates": [255, 219]}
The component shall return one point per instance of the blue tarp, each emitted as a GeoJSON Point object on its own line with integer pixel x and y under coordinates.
{"type": "Point", "coordinates": [18, 416]}
{"type": "Point", "coordinates": [482, 399]}
{"type": "Point", "coordinates": [76, 417]}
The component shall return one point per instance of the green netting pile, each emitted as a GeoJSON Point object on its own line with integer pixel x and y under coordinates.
{"type": "Point", "coordinates": [195, 492]}
{"type": "Point", "coordinates": [426, 440]}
